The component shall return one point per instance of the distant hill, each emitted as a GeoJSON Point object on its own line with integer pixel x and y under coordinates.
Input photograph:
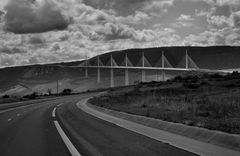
{"type": "Point", "coordinates": [215, 57]}
{"type": "Point", "coordinates": [26, 79]}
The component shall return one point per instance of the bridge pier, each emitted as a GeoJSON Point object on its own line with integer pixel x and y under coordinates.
{"type": "Point", "coordinates": [86, 69]}
{"type": "Point", "coordinates": [163, 75]}
{"type": "Point", "coordinates": [111, 73]}
{"type": "Point", "coordinates": [98, 71]}
{"type": "Point", "coordinates": [158, 76]}
{"type": "Point", "coordinates": [86, 72]}
{"type": "Point", "coordinates": [111, 78]}
{"type": "Point", "coordinates": [126, 77]}
{"type": "Point", "coordinates": [98, 75]}
{"type": "Point", "coordinates": [126, 71]}
{"type": "Point", "coordinates": [143, 70]}
{"type": "Point", "coordinates": [143, 75]}
{"type": "Point", "coordinates": [186, 61]}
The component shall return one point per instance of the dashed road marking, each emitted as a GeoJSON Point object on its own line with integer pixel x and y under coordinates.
{"type": "Point", "coordinates": [60, 104]}
{"type": "Point", "coordinates": [9, 119]}
{"type": "Point", "coordinates": [54, 112]}
{"type": "Point", "coordinates": [18, 114]}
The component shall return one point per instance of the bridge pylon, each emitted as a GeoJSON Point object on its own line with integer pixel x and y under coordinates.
{"type": "Point", "coordinates": [143, 71]}
{"type": "Point", "coordinates": [126, 71]}
{"type": "Point", "coordinates": [163, 66]}
{"type": "Point", "coordinates": [111, 72]}
{"type": "Point", "coordinates": [98, 71]}
{"type": "Point", "coordinates": [187, 62]}
{"type": "Point", "coordinates": [143, 62]}
{"type": "Point", "coordinates": [86, 68]}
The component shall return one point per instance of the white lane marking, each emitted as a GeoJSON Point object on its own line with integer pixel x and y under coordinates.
{"type": "Point", "coordinates": [54, 112]}
{"type": "Point", "coordinates": [60, 104]}
{"type": "Point", "coordinates": [66, 140]}
{"type": "Point", "coordinates": [10, 109]}
{"type": "Point", "coordinates": [9, 119]}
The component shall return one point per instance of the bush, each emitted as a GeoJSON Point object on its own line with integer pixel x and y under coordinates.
{"type": "Point", "coordinates": [5, 96]}
{"type": "Point", "coordinates": [49, 91]}
{"type": "Point", "coordinates": [66, 91]}
{"type": "Point", "coordinates": [178, 78]}
{"type": "Point", "coordinates": [235, 73]}
{"type": "Point", "coordinates": [31, 96]}
{"type": "Point", "coordinates": [215, 76]}
{"type": "Point", "coordinates": [205, 83]}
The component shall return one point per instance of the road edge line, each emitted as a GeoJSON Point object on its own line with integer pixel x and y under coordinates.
{"type": "Point", "coordinates": [66, 140]}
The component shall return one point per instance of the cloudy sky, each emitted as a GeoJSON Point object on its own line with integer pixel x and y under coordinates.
{"type": "Point", "coordinates": [42, 31]}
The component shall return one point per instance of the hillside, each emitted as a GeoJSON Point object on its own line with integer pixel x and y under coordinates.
{"type": "Point", "coordinates": [26, 79]}
{"type": "Point", "coordinates": [206, 101]}
{"type": "Point", "coordinates": [216, 57]}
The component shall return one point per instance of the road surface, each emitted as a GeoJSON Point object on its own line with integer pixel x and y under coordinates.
{"type": "Point", "coordinates": [32, 131]}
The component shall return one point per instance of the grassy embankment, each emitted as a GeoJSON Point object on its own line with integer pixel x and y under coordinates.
{"type": "Point", "coordinates": [209, 101]}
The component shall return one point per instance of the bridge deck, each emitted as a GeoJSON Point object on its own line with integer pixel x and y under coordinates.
{"type": "Point", "coordinates": [150, 68]}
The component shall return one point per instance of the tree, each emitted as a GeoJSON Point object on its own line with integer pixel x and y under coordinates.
{"type": "Point", "coordinates": [49, 91]}
{"type": "Point", "coordinates": [5, 96]}
{"type": "Point", "coordinates": [31, 96]}
{"type": "Point", "coordinates": [66, 91]}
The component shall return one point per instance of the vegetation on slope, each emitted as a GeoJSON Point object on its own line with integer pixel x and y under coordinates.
{"type": "Point", "coordinates": [209, 101]}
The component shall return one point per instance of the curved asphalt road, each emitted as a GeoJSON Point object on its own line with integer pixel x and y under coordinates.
{"type": "Point", "coordinates": [30, 131]}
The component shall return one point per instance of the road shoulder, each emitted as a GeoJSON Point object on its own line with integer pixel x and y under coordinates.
{"type": "Point", "coordinates": [182, 142]}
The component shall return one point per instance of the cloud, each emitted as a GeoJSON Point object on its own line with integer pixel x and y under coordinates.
{"type": "Point", "coordinates": [99, 25]}
{"type": "Point", "coordinates": [6, 60]}
{"type": "Point", "coordinates": [14, 50]}
{"type": "Point", "coordinates": [184, 17]}
{"type": "Point", "coordinates": [183, 21]}
{"type": "Point", "coordinates": [3, 3]}
{"type": "Point", "coordinates": [112, 31]}
{"type": "Point", "coordinates": [206, 12]}
{"type": "Point", "coordinates": [1, 13]}
{"type": "Point", "coordinates": [236, 19]}
{"type": "Point", "coordinates": [212, 37]}
{"type": "Point", "coordinates": [157, 7]}
{"type": "Point", "coordinates": [231, 3]}
{"type": "Point", "coordinates": [36, 40]}
{"type": "Point", "coordinates": [227, 2]}
{"type": "Point", "coordinates": [122, 7]}
{"type": "Point", "coordinates": [219, 21]}
{"type": "Point", "coordinates": [91, 27]}
{"type": "Point", "coordinates": [27, 16]}
{"type": "Point", "coordinates": [138, 18]}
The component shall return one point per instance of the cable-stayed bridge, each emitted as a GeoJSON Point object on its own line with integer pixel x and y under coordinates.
{"type": "Point", "coordinates": [186, 64]}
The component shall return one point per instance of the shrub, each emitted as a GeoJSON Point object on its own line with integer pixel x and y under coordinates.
{"type": "Point", "coordinates": [215, 76]}
{"type": "Point", "coordinates": [49, 91]}
{"type": "Point", "coordinates": [66, 91]}
{"type": "Point", "coordinates": [31, 96]}
{"type": "Point", "coordinates": [205, 83]}
{"type": "Point", "coordinates": [5, 96]}
{"type": "Point", "coordinates": [235, 73]}
{"type": "Point", "coordinates": [178, 78]}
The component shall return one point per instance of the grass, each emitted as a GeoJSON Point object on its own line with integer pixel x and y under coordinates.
{"type": "Point", "coordinates": [211, 102]}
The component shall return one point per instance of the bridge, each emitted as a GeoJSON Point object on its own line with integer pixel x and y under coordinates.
{"type": "Point", "coordinates": [186, 64]}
